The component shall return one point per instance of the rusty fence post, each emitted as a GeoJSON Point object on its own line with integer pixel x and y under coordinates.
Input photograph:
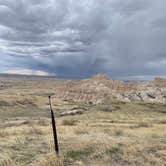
{"type": "Point", "coordinates": [54, 128]}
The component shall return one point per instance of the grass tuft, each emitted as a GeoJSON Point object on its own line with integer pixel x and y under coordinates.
{"type": "Point", "coordinates": [50, 160]}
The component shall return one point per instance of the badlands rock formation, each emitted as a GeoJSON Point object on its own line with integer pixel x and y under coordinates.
{"type": "Point", "coordinates": [100, 87]}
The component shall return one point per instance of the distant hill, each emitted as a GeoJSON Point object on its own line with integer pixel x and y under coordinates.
{"type": "Point", "coordinates": [100, 87]}
{"type": "Point", "coordinates": [94, 90]}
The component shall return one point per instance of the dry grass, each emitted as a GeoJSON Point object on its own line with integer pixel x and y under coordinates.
{"type": "Point", "coordinates": [8, 162]}
{"type": "Point", "coordinates": [49, 159]}
{"type": "Point", "coordinates": [131, 135]}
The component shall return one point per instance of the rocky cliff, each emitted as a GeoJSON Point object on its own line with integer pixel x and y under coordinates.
{"type": "Point", "coordinates": [100, 87]}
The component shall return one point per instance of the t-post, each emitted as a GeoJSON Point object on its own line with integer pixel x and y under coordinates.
{"type": "Point", "coordinates": [54, 127]}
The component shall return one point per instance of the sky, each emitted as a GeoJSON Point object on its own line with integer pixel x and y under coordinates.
{"type": "Point", "coordinates": [126, 39]}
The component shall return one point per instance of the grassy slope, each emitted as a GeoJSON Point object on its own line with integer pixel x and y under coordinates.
{"type": "Point", "coordinates": [133, 134]}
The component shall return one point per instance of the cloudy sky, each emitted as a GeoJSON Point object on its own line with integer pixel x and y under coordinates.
{"type": "Point", "coordinates": [125, 39]}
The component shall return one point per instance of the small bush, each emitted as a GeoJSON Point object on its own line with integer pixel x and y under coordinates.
{"type": "Point", "coordinates": [114, 151]}
{"type": "Point", "coordinates": [141, 124]}
{"type": "Point", "coordinates": [4, 103]}
{"type": "Point", "coordinates": [118, 102]}
{"type": "Point", "coordinates": [79, 154]}
{"type": "Point", "coordinates": [145, 124]}
{"type": "Point", "coordinates": [35, 131]}
{"type": "Point", "coordinates": [69, 122]}
{"type": "Point", "coordinates": [81, 131]}
{"type": "Point", "coordinates": [26, 101]}
{"type": "Point", "coordinates": [3, 133]}
{"type": "Point", "coordinates": [118, 132]}
{"type": "Point", "coordinates": [42, 122]}
{"type": "Point", "coordinates": [162, 122]}
{"type": "Point", "coordinates": [106, 108]}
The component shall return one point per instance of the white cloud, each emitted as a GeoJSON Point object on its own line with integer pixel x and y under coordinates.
{"type": "Point", "coordinates": [27, 72]}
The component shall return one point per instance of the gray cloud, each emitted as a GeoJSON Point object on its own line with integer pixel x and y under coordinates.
{"type": "Point", "coordinates": [69, 38]}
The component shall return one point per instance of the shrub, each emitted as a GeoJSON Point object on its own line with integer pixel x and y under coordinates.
{"type": "Point", "coordinates": [4, 103]}
{"type": "Point", "coordinates": [3, 133]}
{"type": "Point", "coordinates": [42, 122]}
{"type": "Point", "coordinates": [69, 122]}
{"type": "Point", "coordinates": [106, 108]}
{"type": "Point", "coordinates": [145, 124]}
{"type": "Point", "coordinates": [81, 131]}
{"type": "Point", "coordinates": [116, 150]}
{"type": "Point", "coordinates": [34, 131]}
{"type": "Point", "coordinates": [79, 154]}
{"type": "Point", "coordinates": [118, 132]}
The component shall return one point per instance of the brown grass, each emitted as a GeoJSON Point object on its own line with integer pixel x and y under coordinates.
{"type": "Point", "coordinates": [49, 160]}
{"type": "Point", "coordinates": [133, 135]}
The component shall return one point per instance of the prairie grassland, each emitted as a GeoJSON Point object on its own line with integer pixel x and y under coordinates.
{"type": "Point", "coordinates": [131, 134]}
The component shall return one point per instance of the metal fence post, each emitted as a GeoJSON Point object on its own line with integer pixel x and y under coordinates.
{"type": "Point", "coordinates": [54, 128]}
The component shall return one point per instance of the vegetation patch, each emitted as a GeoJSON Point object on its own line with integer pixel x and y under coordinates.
{"type": "Point", "coordinates": [79, 154]}
{"type": "Point", "coordinates": [42, 122]}
{"type": "Point", "coordinates": [144, 124]}
{"type": "Point", "coordinates": [106, 108]}
{"type": "Point", "coordinates": [162, 121]}
{"type": "Point", "coordinates": [26, 101]}
{"type": "Point", "coordinates": [81, 131]}
{"type": "Point", "coordinates": [3, 133]}
{"type": "Point", "coordinates": [50, 160]}
{"type": "Point", "coordinates": [115, 152]}
{"type": "Point", "coordinates": [7, 161]}
{"type": "Point", "coordinates": [4, 103]}
{"type": "Point", "coordinates": [69, 122]}
{"type": "Point", "coordinates": [118, 132]}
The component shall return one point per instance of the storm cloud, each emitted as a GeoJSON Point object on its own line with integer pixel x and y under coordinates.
{"type": "Point", "coordinates": [75, 38]}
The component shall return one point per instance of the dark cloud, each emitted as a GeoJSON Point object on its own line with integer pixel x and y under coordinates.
{"type": "Point", "coordinates": [69, 38]}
